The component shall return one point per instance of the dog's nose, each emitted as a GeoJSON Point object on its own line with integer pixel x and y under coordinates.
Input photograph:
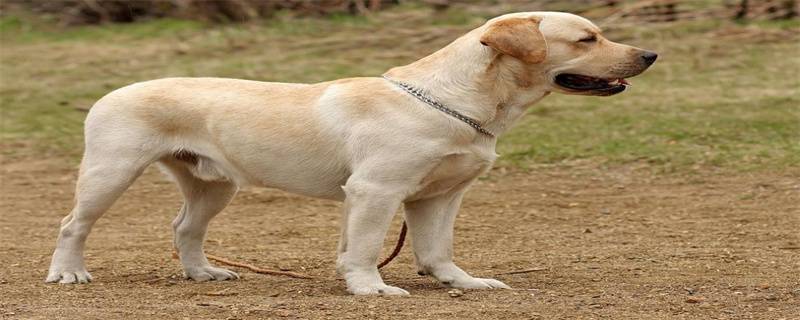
{"type": "Point", "coordinates": [649, 57]}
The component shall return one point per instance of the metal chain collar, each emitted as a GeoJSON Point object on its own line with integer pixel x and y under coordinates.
{"type": "Point", "coordinates": [417, 93]}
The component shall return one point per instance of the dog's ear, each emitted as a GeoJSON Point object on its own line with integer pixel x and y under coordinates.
{"type": "Point", "coordinates": [517, 37]}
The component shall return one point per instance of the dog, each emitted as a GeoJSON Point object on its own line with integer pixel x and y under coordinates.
{"type": "Point", "coordinates": [418, 137]}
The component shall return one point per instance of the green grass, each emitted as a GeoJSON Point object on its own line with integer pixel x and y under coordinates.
{"type": "Point", "coordinates": [25, 30]}
{"type": "Point", "coordinates": [722, 94]}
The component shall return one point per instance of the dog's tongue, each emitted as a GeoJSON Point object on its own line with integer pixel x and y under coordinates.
{"type": "Point", "coordinates": [625, 82]}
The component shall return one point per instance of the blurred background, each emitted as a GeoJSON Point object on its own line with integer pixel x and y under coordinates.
{"type": "Point", "coordinates": [724, 92]}
{"type": "Point", "coordinates": [74, 12]}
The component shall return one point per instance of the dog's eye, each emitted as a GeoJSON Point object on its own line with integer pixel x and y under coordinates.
{"type": "Point", "coordinates": [591, 38]}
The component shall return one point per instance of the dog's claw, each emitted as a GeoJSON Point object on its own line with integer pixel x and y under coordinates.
{"type": "Point", "coordinates": [208, 273]}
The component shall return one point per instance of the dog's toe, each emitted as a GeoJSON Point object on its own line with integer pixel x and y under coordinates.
{"type": "Point", "coordinates": [83, 277]}
{"type": "Point", "coordinates": [493, 284]}
{"type": "Point", "coordinates": [478, 283]}
{"type": "Point", "coordinates": [198, 276]}
{"type": "Point", "coordinates": [378, 289]}
{"type": "Point", "coordinates": [220, 274]}
{"type": "Point", "coordinates": [209, 273]}
{"type": "Point", "coordinates": [52, 277]}
{"type": "Point", "coordinates": [68, 277]}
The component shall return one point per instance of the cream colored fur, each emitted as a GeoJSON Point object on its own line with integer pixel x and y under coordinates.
{"type": "Point", "coordinates": [360, 140]}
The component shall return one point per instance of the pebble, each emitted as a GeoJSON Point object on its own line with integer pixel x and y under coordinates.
{"type": "Point", "coordinates": [695, 300]}
{"type": "Point", "coordinates": [455, 293]}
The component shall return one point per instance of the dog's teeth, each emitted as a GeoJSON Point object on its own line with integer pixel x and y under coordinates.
{"type": "Point", "coordinates": [619, 81]}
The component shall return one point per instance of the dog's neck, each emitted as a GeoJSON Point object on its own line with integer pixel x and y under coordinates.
{"type": "Point", "coordinates": [469, 78]}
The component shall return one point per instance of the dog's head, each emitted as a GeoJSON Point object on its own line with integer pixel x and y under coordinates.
{"type": "Point", "coordinates": [567, 50]}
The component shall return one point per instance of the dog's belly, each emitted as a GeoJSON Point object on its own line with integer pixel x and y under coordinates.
{"type": "Point", "coordinates": [308, 177]}
{"type": "Point", "coordinates": [269, 165]}
{"type": "Point", "coordinates": [286, 157]}
{"type": "Point", "coordinates": [248, 132]}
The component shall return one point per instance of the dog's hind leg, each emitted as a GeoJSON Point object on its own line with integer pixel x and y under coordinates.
{"type": "Point", "coordinates": [202, 201]}
{"type": "Point", "coordinates": [106, 172]}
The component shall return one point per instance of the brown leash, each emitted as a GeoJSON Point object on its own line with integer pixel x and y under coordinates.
{"type": "Point", "coordinates": [397, 247]}
{"type": "Point", "coordinates": [400, 240]}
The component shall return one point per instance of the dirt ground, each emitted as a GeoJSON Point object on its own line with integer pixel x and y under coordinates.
{"type": "Point", "coordinates": [616, 243]}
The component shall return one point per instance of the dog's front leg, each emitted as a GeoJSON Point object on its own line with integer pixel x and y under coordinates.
{"type": "Point", "coordinates": [431, 222]}
{"type": "Point", "coordinates": [369, 208]}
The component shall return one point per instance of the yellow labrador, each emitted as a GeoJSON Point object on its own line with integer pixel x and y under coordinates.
{"type": "Point", "coordinates": [417, 137]}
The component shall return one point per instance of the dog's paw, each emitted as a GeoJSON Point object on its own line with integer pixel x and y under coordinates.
{"type": "Point", "coordinates": [68, 276]}
{"type": "Point", "coordinates": [208, 273]}
{"type": "Point", "coordinates": [476, 283]}
{"type": "Point", "coordinates": [379, 289]}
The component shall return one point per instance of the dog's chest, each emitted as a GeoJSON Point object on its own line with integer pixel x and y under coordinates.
{"type": "Point", "coordinates": [452, 172]}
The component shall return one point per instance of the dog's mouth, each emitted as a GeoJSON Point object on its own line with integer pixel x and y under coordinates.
{"type": "Point", "coordinates": [590, 85]}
